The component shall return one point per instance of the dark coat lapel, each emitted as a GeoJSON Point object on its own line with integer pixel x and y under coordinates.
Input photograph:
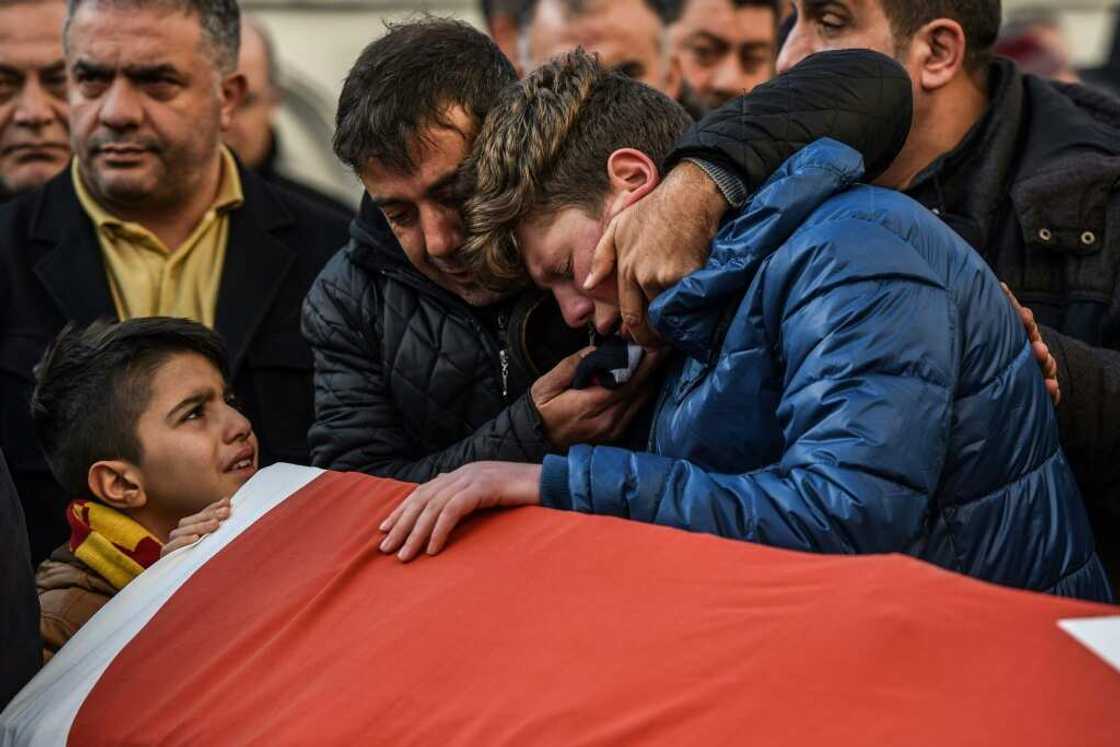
{"type": "Point", "coordinates": [71, 269]}
{"type": "Point", "coordinates": [256, 264]}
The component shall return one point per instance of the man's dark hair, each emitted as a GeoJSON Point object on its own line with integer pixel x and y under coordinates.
{"type": "Point", "coordinates": [980, 20]}
{"type": "Point", "coordinates": [407, 80]}
{"type": "Point", "coordinates": [663, 8]}
{"type": "Point", "coordinates": [94, 383]}
{"type": "Point", "coordinates": [220, 21]}
{"type": "Point", "coordinates": [674, 8]}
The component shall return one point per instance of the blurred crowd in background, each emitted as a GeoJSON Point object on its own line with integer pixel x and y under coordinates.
{"type": "Point", "coordinates": [298, 64]}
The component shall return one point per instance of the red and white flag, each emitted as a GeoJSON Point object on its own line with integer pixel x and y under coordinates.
{"type": "Point", "coordinates": [289, 626]}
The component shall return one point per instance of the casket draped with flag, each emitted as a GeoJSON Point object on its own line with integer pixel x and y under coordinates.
{"type": "Point", "coordinates": [288, 626]}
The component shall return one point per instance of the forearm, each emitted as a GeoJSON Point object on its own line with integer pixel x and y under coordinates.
{"type": "Point", "coordinates": [817, 508]}
{"type": "Point", "coordinates": [755, 133]}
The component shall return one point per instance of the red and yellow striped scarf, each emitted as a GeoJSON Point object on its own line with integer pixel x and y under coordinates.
{"type": "Point", "coordinates": [110, 543]}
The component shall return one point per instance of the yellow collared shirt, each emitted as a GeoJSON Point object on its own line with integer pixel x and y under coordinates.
{"type": "Point", "coordinates": [148, 279]}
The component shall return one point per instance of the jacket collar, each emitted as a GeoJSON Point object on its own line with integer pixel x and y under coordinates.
{"type": "Point", "coordinates": [72, 269]}
{"type": "Point", "coordinates": [689, 313]}
{"type": "Point", "coordinates": [374, 245]}
{"type": "Point", "coordinates": [256, 260]}
{"type": "Point", "coordinates": [1029, 132]}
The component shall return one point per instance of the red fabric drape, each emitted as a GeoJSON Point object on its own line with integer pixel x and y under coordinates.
{"type": "Point", "coordinates": [544, 627]}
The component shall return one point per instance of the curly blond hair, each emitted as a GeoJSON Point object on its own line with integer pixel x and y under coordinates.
{"type": "Point", "coordinates": [544, 147]}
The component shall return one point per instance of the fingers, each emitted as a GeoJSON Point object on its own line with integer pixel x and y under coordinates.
{"type": "Point", "coordinates": [604, 259]}
{"type": "Point", "coordinates": [178, 543]}
{"type": "Point", "coordinates": [632, 306]}
{"type": "Point", "coordinates": [218, 511]}
{"type": "Point", "coordinates": [426, 522]}
{"type": "Point", "coordinates": [1046, 361]}
{"type": "Point", "coordinates": [405, 518]}
{"type": "Point", "coordinates": [1025, 315]}
{"type": "Point", "coordinates": [196, 526]}
{"type": "Point", "coordinates": [391, 519]}
{"type": "Point", "coordinates": [421, 530]}
{"type": "Point", "coordinates": [449, 517]}
{"type": "Point", "coordinates": [195, 529]}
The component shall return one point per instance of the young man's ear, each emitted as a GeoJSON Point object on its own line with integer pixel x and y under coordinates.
{"type": "Point", "coordinates": [632, 175]}
{"type": "Point", "coordinates": [234, 88]}
{"type": "Point", "coordinates": [117, 484]}
{"type": "Point", "coordinates": [938, 53]}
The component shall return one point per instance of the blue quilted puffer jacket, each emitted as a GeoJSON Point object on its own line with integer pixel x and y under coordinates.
{"type": "Point", "coordinates": [853, 380]}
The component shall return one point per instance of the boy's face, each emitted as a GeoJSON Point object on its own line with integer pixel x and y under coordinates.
{"type": "Point", "coordinates": [557, 249]}
{"type": "Point", "coordinates": [197, 448]}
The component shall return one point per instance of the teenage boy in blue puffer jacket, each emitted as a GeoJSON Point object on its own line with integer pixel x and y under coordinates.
{"type": "Point", "coordinates": [849, 376]}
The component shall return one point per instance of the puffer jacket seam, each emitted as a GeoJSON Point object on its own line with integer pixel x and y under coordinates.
{"type": "Point", "coordinates": [1005, 371]}
{"type": "Point", "coordinates": [1089, 557]}
{"type": "Point", "coordinates": [953, 323]}
{"type": "Point", "coordinates": [916, 377]}
{"type": "Point", "coordinates": [1012, 482]}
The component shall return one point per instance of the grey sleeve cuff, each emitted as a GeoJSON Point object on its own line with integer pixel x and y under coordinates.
{"type": "Point", "coordinates": [730, 185]}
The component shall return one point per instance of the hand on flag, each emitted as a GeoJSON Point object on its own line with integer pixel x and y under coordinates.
{"type": "Point", "coordinates": [194, 527]}
{"type": "Point", "coordinates": [426, 517]}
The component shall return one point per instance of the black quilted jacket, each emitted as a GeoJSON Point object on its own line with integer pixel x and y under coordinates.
{"type": "Point", "coordinates": [409, 380]}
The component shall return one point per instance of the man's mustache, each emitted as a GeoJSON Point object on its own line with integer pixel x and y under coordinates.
{"type": "Point", "coordinates": [111, 141]}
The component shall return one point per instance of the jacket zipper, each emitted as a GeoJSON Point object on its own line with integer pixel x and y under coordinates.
{"type": "Point", "coordinates": [499, 354]}
{"type": "Point", "coordinates": [503, 353]}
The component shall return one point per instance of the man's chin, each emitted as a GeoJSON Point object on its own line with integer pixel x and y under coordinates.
{"type": "Point", "coordinates": [30, 176]}
{"type": "Point", "coordinates": [477, 296]}
{"type": "Point", "coordinates": [123, 188]}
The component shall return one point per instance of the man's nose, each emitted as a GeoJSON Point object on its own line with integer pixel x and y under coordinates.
{"type": "Point", "coordinates": [120, 107]}
{"type": "Point", "coordinates": [728, 78]}
{"type": "Point", "coordinates": [237, 426]}
{"type": "Point", "coordinates": [798, 46]}
{"type": "Point", "coordinates": [33, 106]}
{"type": "Point", "coordinates": [575, 309]}
{"type": "Point", "coordinates": [443, 231]}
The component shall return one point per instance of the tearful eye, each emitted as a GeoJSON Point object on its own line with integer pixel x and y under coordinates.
{"type": "Point", "coordinates": [401, 218]}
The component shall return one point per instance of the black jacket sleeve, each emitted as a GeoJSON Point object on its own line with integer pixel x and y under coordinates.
{"type": "Point", "coordinates": [20, 650]}
{"type": "Point", "coordinates": [357, 424]}
{"type": "Point", "coordinates": [1088, 418]}
{"type": "Point", "coordinates": [858, 97]}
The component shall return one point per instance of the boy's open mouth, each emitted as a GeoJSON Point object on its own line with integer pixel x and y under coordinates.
{"type": "Point", "coordinates": [243, 460]}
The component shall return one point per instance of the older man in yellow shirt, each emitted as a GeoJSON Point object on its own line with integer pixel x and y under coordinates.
{"type": "Point", "coordinates": [148, 278]}
{"type": "Point", "coordinates": [156, 217]}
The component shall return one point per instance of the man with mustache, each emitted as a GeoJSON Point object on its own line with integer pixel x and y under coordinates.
{"type": "Point", "coordinates": [34, 139]}
{"type": "Point", "coordinates": [156, 217]}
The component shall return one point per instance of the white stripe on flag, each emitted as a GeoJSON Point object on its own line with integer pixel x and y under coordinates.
{"type": "Point", "coordinates": [43, 712]}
